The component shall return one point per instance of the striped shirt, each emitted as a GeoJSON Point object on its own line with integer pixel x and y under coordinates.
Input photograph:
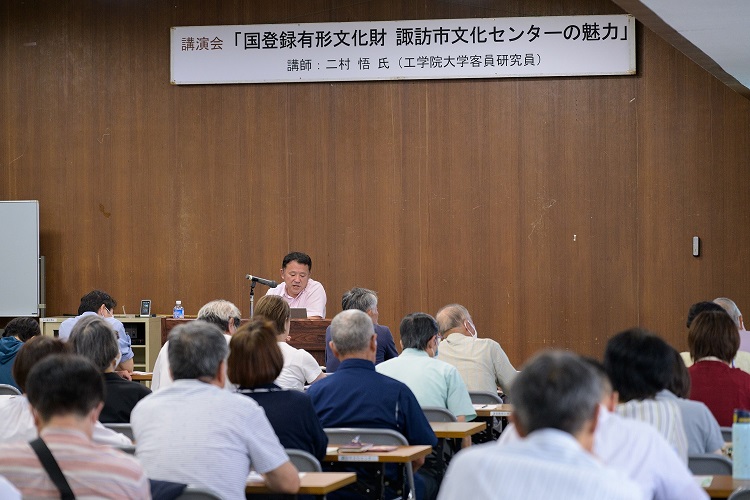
{"type": "Point", "coordinates": [92, 471]}
{"type": "Point", "coordinates": [194, 432]}
{"type": "Point", "coordinates": [664, 415]}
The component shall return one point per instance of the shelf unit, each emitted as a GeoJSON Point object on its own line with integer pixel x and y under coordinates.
{"type": "Point", "coordinates": [145, 338]}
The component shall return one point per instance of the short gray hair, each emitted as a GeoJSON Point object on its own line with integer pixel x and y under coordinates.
{"type": "Point", "coordinates": [451, 316]}
{"type": "Point", "coordinates": [93, 338]}
{"type": "Point", "coordinates": [351, 331]}
{"type": "Point", "coordinates": [220, 313]}
{"type": "Point", "coordinates": [558, 390]}
{"type": "Point", "coordinates": [731, 308]}
{"type": "Point", "coordinates": [361, 299]}
{"type": "Point", "coordinates": [196, 349]}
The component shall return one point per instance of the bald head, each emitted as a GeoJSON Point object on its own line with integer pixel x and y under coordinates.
{"type": "Point", "coordinates": [452, 316]}
{"type": "Point", "coordinates": [731, 308]}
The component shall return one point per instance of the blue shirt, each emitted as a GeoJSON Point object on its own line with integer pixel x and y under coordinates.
{"type": "Point", "coordinates": [123, 339]}
{"type": "Point", "coordinates": [357, 396]}
{"type": "Point", "coordinates": [386, 348]}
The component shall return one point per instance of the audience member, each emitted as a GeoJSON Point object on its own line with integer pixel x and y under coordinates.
{"type": "Point", "coordinates": [701, 428]}
{"type": "Point", "coordinates": [556, 409]}
{"type": "Point", "coordinates": [298, 288]}
{"type": "Point", "coordinates": [255, 361]}
{"type": "Point", "coordinates": [639, 364]}
{"type": "Point", "coordinates": [93, 338]}
{"type": "Point", "coordinates": [734, 312]}
{"type": "Point", "coordinates": [741, 359]}
{"type": "Point", "coordinates": [17, 331]}
{"type": "Point", "coordinates": [482, 363]}
{"type": "Point", "coordinates": [221, 313]}
{"type": "Point", "coordinates": [713, 341]}
{"type": "Point", "coordinates": [357, 396]}
{"type": "Point", "coordinates": [102, 304]}
{"type": "Point", "coordinates": [636, 448]}
{"type": "Point", "coordinates": [366, 301]}
{"type": "Point", "coordinates": [300, 367]}
{"type": "Point", "coordinates": [15, 412]}
{"type": "Point", "coordinates": [66, 393]}
{"type": "Point", "coordinates": [198, 433]}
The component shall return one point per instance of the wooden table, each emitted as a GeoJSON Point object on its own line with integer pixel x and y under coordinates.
{"type": "Point", "coordinates": [457, 430]}
{"type": "Point", "coordinates": [503, 410]}
{"type": "Point", "coordinates": [723, 486]}
{"type": "Point", "coordinates": [402, 455]}
{"type": "Point", "coordinates": [142, 376]}
{"type": "Point", "coordinates": [311, 483]}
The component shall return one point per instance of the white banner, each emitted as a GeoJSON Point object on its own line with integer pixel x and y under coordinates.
{"type": "Point", "coordinates": [404, 50]}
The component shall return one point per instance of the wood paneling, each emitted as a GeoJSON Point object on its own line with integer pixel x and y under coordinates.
{"type": "Point", "coordinates": [558, 210]}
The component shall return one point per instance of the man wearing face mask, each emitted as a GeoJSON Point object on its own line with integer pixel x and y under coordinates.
{"type": "Point", "coordinates": [482, 363]}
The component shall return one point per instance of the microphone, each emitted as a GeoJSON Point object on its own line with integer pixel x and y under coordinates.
{"type": "Point", "coordinates": [268, 283]}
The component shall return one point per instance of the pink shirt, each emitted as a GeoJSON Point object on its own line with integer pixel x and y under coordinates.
{"type": "Point", "coordinates": [313, 298]}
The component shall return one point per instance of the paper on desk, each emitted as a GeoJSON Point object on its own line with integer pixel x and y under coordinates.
{"type": "Point", "coordinates": [703, 481]}
{"type": "Point", "coordinates": [481, 407]}
{"type": "Point", "coordinates": [255, 477]}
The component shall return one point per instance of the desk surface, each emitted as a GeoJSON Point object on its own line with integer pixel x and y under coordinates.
{"type": "Point", "coordinates": [723, 486]}
{"type": "Point", "coordinates": [142, 376]}
{"type": "Point", "coordinates": [311, 483]}
{"type": "Point", "coordinates": [402, 454]}
{"type": "Point", "coordinates": [457, 429]}
{"type": "Point", "coordinates": [503, 410]}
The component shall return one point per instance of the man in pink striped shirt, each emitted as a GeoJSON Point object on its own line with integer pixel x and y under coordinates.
{"type": "Point", "coordinates": [66, 393]}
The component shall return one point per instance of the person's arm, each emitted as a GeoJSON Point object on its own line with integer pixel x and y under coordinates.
{"type": "Point", "coordinates": [315, 302]}
{"type": "Point", "coordinates": [283, 479]}
{"type": "Point", "coordinates": [504, 371]}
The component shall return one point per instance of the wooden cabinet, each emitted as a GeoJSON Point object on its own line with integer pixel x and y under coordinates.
{"type": "Point", "coordinates": [145, 338]}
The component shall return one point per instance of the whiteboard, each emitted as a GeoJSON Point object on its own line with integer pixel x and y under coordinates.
{"type": "Point", "coordinates": [19, 258]}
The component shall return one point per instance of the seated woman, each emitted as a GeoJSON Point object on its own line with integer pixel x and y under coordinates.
{"type": "Point", "coordinates": [255, 361]}
{"type": "Point", "coordinates": [300, 367]}
{"type": "Point", "coordinates": [15, 411]}
{"type": "Point", "coordinates": [713, 341]}
{"type": "Point", "coordinates": [702, 431]}
{"type": "Point", "coordinates": [639, 364]}
{"type": "Point", "coordinates": [17, 331]}
{"type": "Point", "coordinates": [93, 338]}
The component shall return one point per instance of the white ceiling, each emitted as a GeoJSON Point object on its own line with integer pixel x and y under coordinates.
{"type": "Point", "coordinates": [713, 33]}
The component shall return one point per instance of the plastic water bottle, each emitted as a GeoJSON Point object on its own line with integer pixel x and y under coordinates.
{"type": "Point", "coordinates": [741, 444]}
{"type": "Point", "coordinates": [178, 312]}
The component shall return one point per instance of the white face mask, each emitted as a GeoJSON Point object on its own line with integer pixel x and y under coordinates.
{"type": "Point", "coordinates": [473, 328]}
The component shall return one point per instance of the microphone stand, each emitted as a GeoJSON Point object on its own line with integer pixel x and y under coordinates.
{"type": "Point", "coordinates": [252, 297]}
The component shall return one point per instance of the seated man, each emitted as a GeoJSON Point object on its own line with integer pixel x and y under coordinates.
{"type": "Point", "coordinates": [221, 313]}
{"type": "Point", "coordinates": [482, 363]}
{"type": "Point", "coordinates": [357, 396]}
{"type": "Point", "coordinates": [366, 301]}
{"type": "Point", "coordinates": [556, 408]}
{"type": "Point", "coordinates": [17, 331]}
{"type": "Point", "coordinates": [298, 289]}
{"type": "Point", "coordinates": [101, 303]}
{"type": "Point", "coordinates": [66, 393]}
{"type": "Point", "coordinates": [198, 433]}
{"type": "Point", "coordinates": [734, 312]}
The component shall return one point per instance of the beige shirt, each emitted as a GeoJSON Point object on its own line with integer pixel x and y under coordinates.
{"type": "Point", "coordinates": [482, 363]}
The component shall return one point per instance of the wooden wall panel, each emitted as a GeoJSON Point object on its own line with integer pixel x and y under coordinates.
{"type": "Point", "coordinates": [558, 210]}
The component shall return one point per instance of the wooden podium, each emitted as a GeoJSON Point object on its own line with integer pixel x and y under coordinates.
{"type": "Point", "coordinates": [307, 334]}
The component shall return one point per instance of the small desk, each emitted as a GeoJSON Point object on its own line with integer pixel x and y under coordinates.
{"type": "Point", "coordinates": [401, 455]}
{"type": "Point", "coordinates": [142, 376]}
{"type": "Point", "coordinates": [457, 430]}
{"type": "Point", "coordinates": [723, 486]}
{"type": "Point", "coordinates": [311, 483]}
{"type": "Point", "coordinates": [503, 410]}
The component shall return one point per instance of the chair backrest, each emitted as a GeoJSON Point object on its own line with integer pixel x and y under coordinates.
{"type": "Point", "coordinates": [303, 461]}
{"type": "Point", "coordinates": [197, 493]}
{"type": "Point", "coordinates": [739, 494]}
{"type": "Point", "coordinates": [485, 398]}
{"type": "Point", "coordinates": [121, 428]}
{"type": "Point", "coordinates": [709, 464]}
{"type": "Point", "coordinates": [726, 433]}
{"type": "Point", "coordinates": [437, 414]}
{"type": "Point", "coordinates": [9, 390]}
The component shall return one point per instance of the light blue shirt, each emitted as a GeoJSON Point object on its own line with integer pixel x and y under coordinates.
{"type": "Point", "coordinates": [123, 339]}
{"type": "Point", "coordinates": [433, 382]}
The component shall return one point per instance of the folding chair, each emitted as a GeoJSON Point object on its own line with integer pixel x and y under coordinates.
{"type": "Point", "coordinates": [726, 433]}
{"type": "Point", "coordinates": [740, 494]}
{"type": "Point", "coordinates": [122, 429]}
{"type": "Point", "coordinates": [197, 493]}
{"type": "Point", "coordinates": [303, 461]}
{"type": "Point", "coordinates": [438, 414]}
{"type": "Point", "coordinates": [9, 390]}
{"type": "Point", "coordinates": [709, 464]}
{"type": "Point", "coordinates": [485, 398]}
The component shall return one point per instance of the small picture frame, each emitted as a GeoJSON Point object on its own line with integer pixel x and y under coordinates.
{"type": "Point", "coordinates": [145, 308]}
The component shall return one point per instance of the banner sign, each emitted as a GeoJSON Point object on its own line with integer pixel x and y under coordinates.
{"type": "Point", "coordinates": [404, 50]}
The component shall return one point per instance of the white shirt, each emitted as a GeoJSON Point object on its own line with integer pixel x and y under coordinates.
{"type": "Point", "coordinates": [162, 377]}
{"type": "Point", "coordinates": [8, 491]}
{"type": "Point", "coordinates": [664, 416]}
{"type": "Point", "coordinates": [313, 298]}
{"type": "Point", "coordinates": [482, 363]}
{"type": "Point", "coordinates": [548, 464]}
{"type": "Point", "coordinates": [641, 453]}
{"type": "Point", "coordinates": [300, 367]}
{"type": "Point", "coordinates": [18, 424]}
{"type": "Point", "coordinates": [197, 433]}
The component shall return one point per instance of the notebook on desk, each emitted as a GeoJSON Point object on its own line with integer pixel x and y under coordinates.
{"type": "Point", "coordinates": [299, 313]}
